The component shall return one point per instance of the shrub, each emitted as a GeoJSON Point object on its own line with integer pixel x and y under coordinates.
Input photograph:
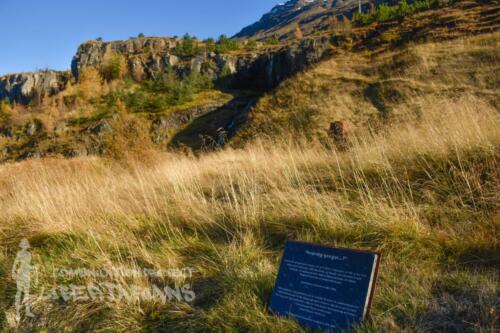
{"type": "Point", "coordinates": [385, 13]}
{"type": "Point", "coordinates": [225, 44]}
{"type": "Point", "coordinates": [187, 47]}
{"type": "Point", "coordinates": [225, 72]}
{"type": "Point", "coordinates": [199, 82]}
{"type": "Point", "coordinates": [250, 45]}
{"type": "Point", "coordinates": [210, 45]}
{"type": "Point", "coordinates": [272, 41]}
{"type": "Point", "coordinates": [168, 90]}
{"type": "Point", "coordinates": [5, 110]}
{"type": "Point", "coordinates": [89, 83]}
{"type": "Point", "coordinates": [364, 18]}
{"type": "Point", "coordinates": [114, 66]}
{"type": "Point", "coordinates": [403, 9]}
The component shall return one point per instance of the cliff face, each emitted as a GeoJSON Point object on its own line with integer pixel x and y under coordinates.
{"type": "Point", "coordinates": [148, 58]}
{"type": "Point", "coordinates": [266, 71]}
{"type": "Point", "coordinates": [142, 54]}
{"type": "Point", "coordinates": [24, 88]}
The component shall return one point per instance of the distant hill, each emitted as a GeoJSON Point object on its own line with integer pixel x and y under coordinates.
{"type": "Point", "coordinates": [310, 15]}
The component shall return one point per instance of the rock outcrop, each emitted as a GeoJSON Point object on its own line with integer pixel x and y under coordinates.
{"type": "Point", "coordinates": [265, 71]}
{"type": "Point", "coordinates": [24, 88]}
{"type": "Point", "coordinates": [147, 58]}
{"type": "Point", "coordinates": [142, 54]}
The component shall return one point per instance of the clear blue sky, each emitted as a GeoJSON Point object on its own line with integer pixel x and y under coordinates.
{"type": "Point", "coordinates": [39, 34]}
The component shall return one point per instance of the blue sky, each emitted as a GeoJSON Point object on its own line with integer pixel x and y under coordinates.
{"type": "Point", "coordinates": [41, 34]}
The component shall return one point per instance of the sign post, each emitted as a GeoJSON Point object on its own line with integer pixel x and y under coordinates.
{"type": "Point", "coordinates": [324, 288]}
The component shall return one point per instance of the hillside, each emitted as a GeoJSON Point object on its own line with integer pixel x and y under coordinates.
{"type": "Point", "coordinates": [166, 93]}
{"type": "Point", "coordinates": [310, 15]}
{"type": "Point", "coordinates": [117, 166]}
{"type": "Point", "coordinates": [376, 91]}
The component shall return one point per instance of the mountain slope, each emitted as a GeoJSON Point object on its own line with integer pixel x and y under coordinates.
{"type": "Point", "coordinates": [393, 73]}
{"type": "Point", "coordinates": [310, 15]}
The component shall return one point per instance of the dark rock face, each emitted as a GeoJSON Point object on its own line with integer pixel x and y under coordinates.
{"type": "Point", "coordinates": [24, 88]}
{"type": "Point", "coordinates": [266, 71]}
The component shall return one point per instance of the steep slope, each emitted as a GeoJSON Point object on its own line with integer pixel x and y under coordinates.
{"type": "Point", "coordinates": [309, 15]}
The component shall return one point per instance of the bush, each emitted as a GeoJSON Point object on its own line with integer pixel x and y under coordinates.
{"type": "Point", "coordinates": [5, 110]}
{"type": "Point", "coordinates": [225, 72]}
{"type": "Point", "coordinates": [272, 41]}
{"type": "Point", "coordinates": [403, 9]}
{"type": "Point", "coordinates": [250, 45]}
{"type": "Point", "coordinates": [89, 84]}
{"type": "Point", "coordinates": [168, 90]}
{"type": "Point", "coordinates": [187, 47]}
{"type": "Point", "coordinates": [114, 66]}
{"type": "Point", "coordinates": [225, 44]}
{"type": "Point", "coordinates": [385, 13]}
{"type": "Point", "coordinates": [210, 45]}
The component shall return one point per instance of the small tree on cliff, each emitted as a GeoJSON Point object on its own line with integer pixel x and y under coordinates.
{"type": "Point", "coordinates": [114, 66]}
{"type": "Point", "coordinates": [5, 110]}
{"type": "Point", "coordinates": [89, 84]}
{"type": "Point", "coordinates": [187, 47]}
{"type": "Point", "coordinates": [225, 44]}
{"type": "Point", "coordinates": [272, 41]}
{"type": "Point", "coordinates": [210, 45]}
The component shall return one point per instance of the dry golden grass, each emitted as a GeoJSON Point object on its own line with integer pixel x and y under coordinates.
{"type": "Point", "coordinates": [425, 196]}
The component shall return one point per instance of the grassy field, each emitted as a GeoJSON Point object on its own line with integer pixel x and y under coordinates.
{"type": "Point", "coordinates": [425, 196]}
{"type": "Point", "coordinates": [419, 183]}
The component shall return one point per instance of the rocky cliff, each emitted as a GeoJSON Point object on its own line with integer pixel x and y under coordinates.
{"type": "Point", "coordinates": [24, 88]}
{"type": "Point", "coordinates": [147, 58]}
{"type": "Point", "coordinates": [145, 55]}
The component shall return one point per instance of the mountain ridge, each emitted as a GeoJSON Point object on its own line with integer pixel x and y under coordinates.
{"type": "Point", "coordinates": [310, 15]}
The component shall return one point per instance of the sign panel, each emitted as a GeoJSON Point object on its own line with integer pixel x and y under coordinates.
{"type": "Point", "coordinates": [324, 288]}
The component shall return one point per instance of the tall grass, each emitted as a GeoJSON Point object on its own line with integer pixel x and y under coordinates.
{"type": "Point", "coordinates": [425, 196]}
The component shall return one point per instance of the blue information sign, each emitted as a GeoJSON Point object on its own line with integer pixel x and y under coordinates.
{"type": "Point", "coordinates": [324, 288]}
